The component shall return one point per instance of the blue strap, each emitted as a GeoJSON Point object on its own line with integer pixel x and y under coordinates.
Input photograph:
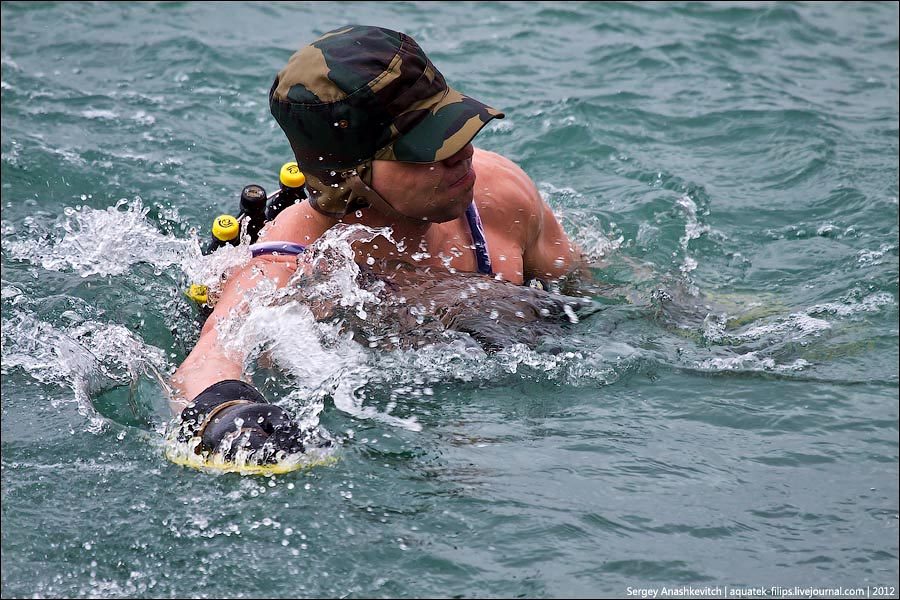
{"type": "Point", "coordinates": [276, 248]}
{"type": "Point", "coordinates": [482, 256]}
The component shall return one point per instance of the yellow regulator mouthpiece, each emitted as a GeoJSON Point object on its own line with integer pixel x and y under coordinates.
{"type": "Point", "coordinates": [225, 228]}
{"type": "Point", "coordinates": [198, 293]}
{"type": "Point", "coordinates": [291, 175]}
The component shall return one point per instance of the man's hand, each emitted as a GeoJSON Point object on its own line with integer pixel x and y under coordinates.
{"type": "Point", "coordinates": [232, 416]}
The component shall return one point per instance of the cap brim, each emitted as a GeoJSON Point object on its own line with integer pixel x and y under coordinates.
{"type": "Point", "coordinates": [449, 126]}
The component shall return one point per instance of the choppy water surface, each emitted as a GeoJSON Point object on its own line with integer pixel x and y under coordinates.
{"type": "Point", "coordinates": [721, 408]}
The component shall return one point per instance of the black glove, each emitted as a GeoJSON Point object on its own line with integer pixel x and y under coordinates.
{"type": "Point", "coordinates": [229, 406]}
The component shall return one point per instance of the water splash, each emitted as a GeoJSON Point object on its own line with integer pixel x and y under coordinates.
{"type": "Point", "coordinates": [84, 355]}
{"type": "Point", "coordinates": [319, 450]}
{"type": "Point", "coordinates": [90, 242]}
{"type": "Point", "coordinates": [693, 229]}
{"type": "Point", "coordinates": [375, 340]}
{"type": "Point", "coordinates": [596, 241]}
{"type": "Point", "coordinates": [353, 333]}
{"type": "Point", "coordinates": [367, 338]}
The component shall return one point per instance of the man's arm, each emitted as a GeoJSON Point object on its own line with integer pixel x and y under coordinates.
{"type": "Point", "coordinates": [549, 254]}
{"type": "Point", "coordinates": [516, 211]}
{"type": "Point", "coordinates": [209, 362]}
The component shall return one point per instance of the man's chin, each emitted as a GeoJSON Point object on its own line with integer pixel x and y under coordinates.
{"type": "Point", "coordinates": [449, 211]}
{"type": "Point", "coordinates": [452, 212]}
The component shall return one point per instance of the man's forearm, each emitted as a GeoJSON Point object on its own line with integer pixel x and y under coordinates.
{"type": "Point", "coordinates": [208, 362]}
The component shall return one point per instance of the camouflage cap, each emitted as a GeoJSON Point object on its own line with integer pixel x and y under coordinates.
{"type": "Point", "coordinates": [361, 93]}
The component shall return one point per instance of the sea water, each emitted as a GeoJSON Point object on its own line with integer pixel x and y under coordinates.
{"type": "Point", "coordinates": [723, 421]}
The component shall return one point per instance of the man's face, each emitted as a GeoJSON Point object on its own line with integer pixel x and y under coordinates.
{"type": "Point", "coordinates": [438, 192]}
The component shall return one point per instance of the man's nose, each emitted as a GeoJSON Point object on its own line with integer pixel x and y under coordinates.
{"type": "Point", "coordinates": [464, 153]}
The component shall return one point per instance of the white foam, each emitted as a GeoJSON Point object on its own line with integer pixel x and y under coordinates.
{"type": "Point", "coordinates": [866, 258]}
{"type": "Point", "coordinates": [751, 361]}
{"type": "Point", "coordinates": [99, 242]}
{"type": "Point", "coordinates": [110, 115]}
{"type": "Point", "coordinates": [85, 355]}
{"type": "Point", "coordinates": [849, 307]}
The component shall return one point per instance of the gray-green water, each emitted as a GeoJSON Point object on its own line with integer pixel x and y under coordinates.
{"type": "Point", "coordinates": [733, 169]}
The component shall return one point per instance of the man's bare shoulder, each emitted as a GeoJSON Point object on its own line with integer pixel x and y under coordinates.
{"type": "Point", "coordinates": [490, 164]}
{"type": "Point", "coordinates": [500, 180]}
{"type": "Point", "coordinates": [300, 224]}
{"type": "Point", "coordinates": [506, 195]}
